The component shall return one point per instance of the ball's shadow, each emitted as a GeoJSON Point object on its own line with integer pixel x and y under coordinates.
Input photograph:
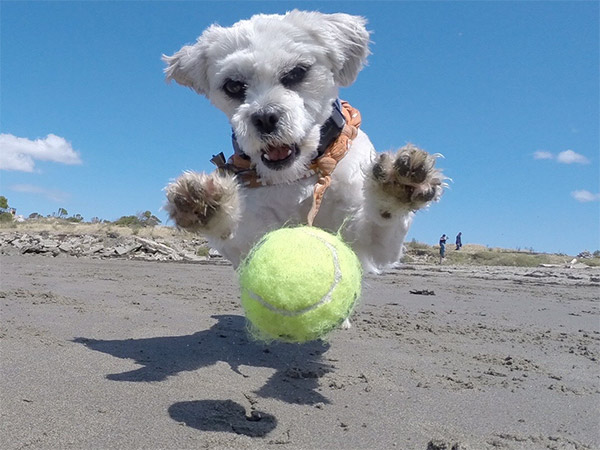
{"type": "Point", "coordinates": [222, 415]}
{"type": "Point", "coordinates": [298, 368]}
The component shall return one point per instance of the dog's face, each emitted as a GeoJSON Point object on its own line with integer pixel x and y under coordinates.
{"type": "Point", "coordinates": [275, 77]}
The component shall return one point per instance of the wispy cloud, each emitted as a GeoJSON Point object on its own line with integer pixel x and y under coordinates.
{"type": "Point", "coordinates": [566, 157]}
{"type": "Point", "coordinates": [584, 196]}
{"type": "Point", "coordinates": [51, 194]}
{"type": "Point", "coordinates": [543, 155]}
{"type": "Point", "coordinates": [21, 153]}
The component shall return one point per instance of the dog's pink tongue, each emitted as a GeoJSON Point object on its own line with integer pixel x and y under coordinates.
{"type": "Point", "coordinates": [278, 153]}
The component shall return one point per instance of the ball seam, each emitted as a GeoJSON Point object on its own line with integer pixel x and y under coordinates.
{"type": "Point", "coordinates": [337, 276]}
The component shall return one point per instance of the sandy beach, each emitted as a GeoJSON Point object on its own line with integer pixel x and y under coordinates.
{"type": "Point", "coordinates": [121, 354]}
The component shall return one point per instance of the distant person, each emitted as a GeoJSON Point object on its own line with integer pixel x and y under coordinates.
{"type": "Point", "coordinates": [443, 240]}
{"type": "Point", "coordinates": [459, 241]}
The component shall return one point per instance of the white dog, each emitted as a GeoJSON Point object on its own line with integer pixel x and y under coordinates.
{"type": "Point", "coordinates": [299, 155]}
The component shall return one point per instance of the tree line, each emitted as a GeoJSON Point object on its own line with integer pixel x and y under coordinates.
{"type": "Point", "coordinates": [141, 219]}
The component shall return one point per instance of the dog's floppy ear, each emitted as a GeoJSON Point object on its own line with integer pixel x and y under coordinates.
{"type": "Point", "coordinates": [188, 66]}
{"type": "Point", "coordinates": [344, 37]}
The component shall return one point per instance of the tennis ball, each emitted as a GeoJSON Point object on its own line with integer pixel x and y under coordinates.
{"type": "Point", "coordinates": [298, 284]}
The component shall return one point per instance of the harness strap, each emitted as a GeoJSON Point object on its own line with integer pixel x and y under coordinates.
{"type": "Point", "coordinates": [325, 164]}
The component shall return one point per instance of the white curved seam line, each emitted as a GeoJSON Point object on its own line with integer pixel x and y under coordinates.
{"type": "Point", "coordinates": [337, 276]}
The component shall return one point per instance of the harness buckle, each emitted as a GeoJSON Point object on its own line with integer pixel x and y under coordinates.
{"type": "Point", "coordinates": [332, 128]}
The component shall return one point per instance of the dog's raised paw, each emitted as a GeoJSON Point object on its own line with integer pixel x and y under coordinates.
{"type": "Point", "coordinates": [409, 176]}
{"type": "Point", "coordinates": [203, 202]}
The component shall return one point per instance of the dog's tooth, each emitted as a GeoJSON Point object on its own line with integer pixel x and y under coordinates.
{"type": "Point", "coordinates": [267, 157]}
{"type": "Point", "coordinates": [289, 152]}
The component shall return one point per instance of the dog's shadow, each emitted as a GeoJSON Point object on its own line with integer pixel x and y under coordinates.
{"type": "Point", "coordinates": [298, 367]}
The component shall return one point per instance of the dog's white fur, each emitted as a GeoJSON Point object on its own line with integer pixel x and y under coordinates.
{"type": "Point", "coordinates": [372, 197]}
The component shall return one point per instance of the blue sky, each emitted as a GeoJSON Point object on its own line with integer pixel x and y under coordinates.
{"type": "Point", "coordinates": [508, 92]}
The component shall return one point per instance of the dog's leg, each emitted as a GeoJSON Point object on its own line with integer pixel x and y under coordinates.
{"type": "Point", "coordinates": [205, 203]}
{"type": "Point", "coordinates": [346, 324]}
{"type": "Point", "coordinates": [396, 186]}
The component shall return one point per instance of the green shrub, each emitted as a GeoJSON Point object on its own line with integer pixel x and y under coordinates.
{"type": "Point", "coordinates": [6, 217]}
{"type": "Point", "coordinates": [202, 251]}
{"type": "Point", "coordinates": [593, 262]}
{"type": "Point", "coordinates": [145, 219]}
{"type": "Point", "coordinates": [414, 245]}
{"type": "Point", "coordinates": [128, 221]}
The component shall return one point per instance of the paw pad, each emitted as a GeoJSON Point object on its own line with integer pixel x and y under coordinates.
{"type": "Point", "coordinates": [409, 176]}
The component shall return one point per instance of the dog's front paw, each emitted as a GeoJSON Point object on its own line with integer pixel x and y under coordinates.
{"type": "Point", "coordinates": [409, 176]}
{"type": "Point", "coordinates": [202, 202]}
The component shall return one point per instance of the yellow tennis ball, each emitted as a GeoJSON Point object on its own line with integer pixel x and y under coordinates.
{"type": "Point", "coordinates": [298, 284]}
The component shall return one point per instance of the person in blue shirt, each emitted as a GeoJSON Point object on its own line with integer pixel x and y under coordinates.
{"type": "Point", "coordinates": [443, 240]}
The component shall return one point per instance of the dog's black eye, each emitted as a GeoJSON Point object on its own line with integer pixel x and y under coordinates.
{"type": "Point", "coordinates": [294, 76]}
{"type": "Point", "coordinates": [235, 89]}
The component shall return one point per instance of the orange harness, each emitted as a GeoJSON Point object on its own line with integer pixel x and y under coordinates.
{"type": "Point", "coordinates": [323, 166]}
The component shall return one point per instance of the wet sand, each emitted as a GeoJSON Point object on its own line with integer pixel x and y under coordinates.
{"type": "Point", "coordinates": [99, 354]}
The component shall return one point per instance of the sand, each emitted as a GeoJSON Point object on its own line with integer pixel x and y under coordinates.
{"type": "Point", "coordinates": [117, 354]}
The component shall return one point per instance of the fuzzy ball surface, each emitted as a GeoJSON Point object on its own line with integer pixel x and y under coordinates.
{"type": "Point", "coordinates": [298, 284]}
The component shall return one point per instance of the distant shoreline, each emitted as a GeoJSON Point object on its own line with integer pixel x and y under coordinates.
{"type": "Point", "coordinates": [193, 247]}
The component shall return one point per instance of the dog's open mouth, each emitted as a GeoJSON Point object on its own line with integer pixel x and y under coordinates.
{"type": "Point", "coordinates": [279, 157]}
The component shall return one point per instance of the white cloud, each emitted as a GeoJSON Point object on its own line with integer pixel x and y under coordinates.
{"type": "Point", "coordinates": [21, 153]}
{"type": "Point", "coordinates": [566, 157]}
{"type": "Point", "coordinates": [585, 196]}
{"type": "Point", "coordinates": [543, 155]}
{"type": "Point", "coordinates": [51, 194]}
{"type": "Point", "coordinates": [570, 157]}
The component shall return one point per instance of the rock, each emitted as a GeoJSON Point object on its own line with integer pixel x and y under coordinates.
{"type": "Point", "coordinates": [422, 292]}
{"type": "Point", "coordinates": [122, 250]}
{"type": "Point", "coordinates": [65, 247]}
{"type": "Point", "coordinates": [214, 253]}
{"type": "Point", "coordinates": [93, 249]}
{"type": "Point", "coordinates": [17, 243]}
{"type": "Point", "coordinates": [109, 245]}
{"type": "Point", "coordinates": [193, 257]}
{"type": "Point", "coordinates": [443, 445]}
{"type": "Point", "coordinates": [48, 243]}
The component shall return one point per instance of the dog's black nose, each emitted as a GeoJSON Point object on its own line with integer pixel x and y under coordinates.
{"type": "Point", "coordinates": [265, 122]}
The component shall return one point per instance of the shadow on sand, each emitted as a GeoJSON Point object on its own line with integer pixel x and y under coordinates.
{"type": "Point", "coordinates": [222, 415]}
{"type": "Point", "coordinates": [298, 368]}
